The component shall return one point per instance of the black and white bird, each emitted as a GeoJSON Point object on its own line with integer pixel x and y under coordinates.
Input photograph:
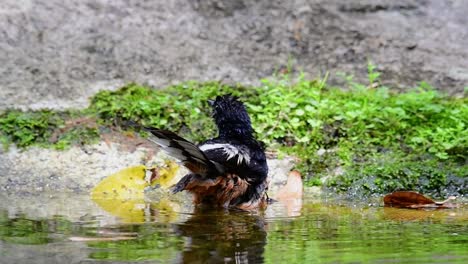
{"type": "Point", "coordinates": [228, 171]}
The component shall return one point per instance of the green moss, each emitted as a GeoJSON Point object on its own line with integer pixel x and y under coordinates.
{"type": "Point", "coordinates": [46, 128]}
{"type": "Point", "coordinates": [27, 128]}
{"type": "Point", "coordinates": [77, 136]}
{"type": "Point", "coordinates": [182, 108]}
{"type": "Point", "coordinates": [383, 140]}
{"type": "Point", "coordinates": [389, 171]}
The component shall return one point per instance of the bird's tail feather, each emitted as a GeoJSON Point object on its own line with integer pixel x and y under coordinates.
{"type": "Point", "coordinates": [184, 151]}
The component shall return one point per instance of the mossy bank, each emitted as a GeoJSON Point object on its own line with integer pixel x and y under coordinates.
{"type": "Point", "coordinates": [364, 139]}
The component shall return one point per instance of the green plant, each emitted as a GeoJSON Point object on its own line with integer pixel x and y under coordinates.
{"type": "Point", "coordinates": [27, 128]}
{"type": "Point", "coordinates": [46, 128]}
{"type": "Point", "coordinates": [302, 117]}
{"type": "Point", "coordinates": [325, 127]}
{"type": "Point", "coordinates": [182, 108]}
{"type": "Point", "coordinates": [77, 135]}
{"type": "Point", "coordinates": [372, 74]}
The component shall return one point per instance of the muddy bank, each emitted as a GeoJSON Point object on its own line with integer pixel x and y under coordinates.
{"type": "Point", "coordinates": [56, 55]}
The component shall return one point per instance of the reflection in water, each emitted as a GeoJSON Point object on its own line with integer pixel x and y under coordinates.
{"type": "Point", "coordinates": [223, 237]}
{"type": "Point", "coordinates": [39, 230]}
{"type": "Point", "coordinates": [432, 215]}
{"type": "Point", "coordinates": [139, 210]}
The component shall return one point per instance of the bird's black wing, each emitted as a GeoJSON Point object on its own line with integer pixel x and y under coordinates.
{"type": "Point", "coordinates": [246, 161]}
{"type": "Point", "coordinates": [185, 151]}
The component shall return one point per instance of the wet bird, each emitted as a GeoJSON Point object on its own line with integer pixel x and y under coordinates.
{"type": "Point", "coordinates": [229, 171]}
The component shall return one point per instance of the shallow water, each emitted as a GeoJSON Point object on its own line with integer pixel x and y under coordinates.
{"type": "Point", "coordinates": [70, 228]}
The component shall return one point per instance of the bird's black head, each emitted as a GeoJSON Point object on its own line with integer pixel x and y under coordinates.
{"type": "Point", "coordinates": [231, 117]}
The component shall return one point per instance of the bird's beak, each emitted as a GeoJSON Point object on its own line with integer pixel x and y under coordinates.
{"type": "Point", "coordinates": [211, 102]}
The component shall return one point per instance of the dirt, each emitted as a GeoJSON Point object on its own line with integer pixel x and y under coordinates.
{"type": "Point", "coordinates": [55, 54]}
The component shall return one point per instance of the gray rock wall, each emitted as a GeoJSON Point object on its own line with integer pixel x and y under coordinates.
{"type": "Point", "coordinates": [56, 53]}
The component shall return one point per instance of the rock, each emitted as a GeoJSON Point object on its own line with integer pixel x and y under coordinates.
{"type": "Point", "coordinates": [278, 171]}
{"type": "Point", "coordinates": [79, 169]}
{"type": "Point", "coordinates": [57, 55]}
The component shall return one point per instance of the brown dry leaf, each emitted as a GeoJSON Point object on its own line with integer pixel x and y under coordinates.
{"type": "Point", "coordinates": [414, 200]}
{"type": "Point", "coordinates": [405, 199]}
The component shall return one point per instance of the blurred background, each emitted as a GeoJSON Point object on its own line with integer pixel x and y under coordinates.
{"type": "Point", "coordinates": [56, 54]}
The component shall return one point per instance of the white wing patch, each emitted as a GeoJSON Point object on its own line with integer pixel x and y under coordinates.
{"type": "Point", "coordinates": [230, 150]}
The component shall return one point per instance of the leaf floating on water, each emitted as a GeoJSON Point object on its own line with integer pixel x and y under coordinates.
{"type": "Point", "coordinates": [126, 184]}
{"type": "Point", "coordinates": [122, 194]}
{"type": "Point", "coordinates": [165, 176]}
{"type": "Point", "coordinates": [406, 198]}
{"type": "Point", "coordinates": [130, 183]}
{"type": "Point", "coordinates": [414, 200]}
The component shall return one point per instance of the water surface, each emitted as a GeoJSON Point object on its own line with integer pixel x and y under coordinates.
{"type": "Point", "coordinates": [70, 228]}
